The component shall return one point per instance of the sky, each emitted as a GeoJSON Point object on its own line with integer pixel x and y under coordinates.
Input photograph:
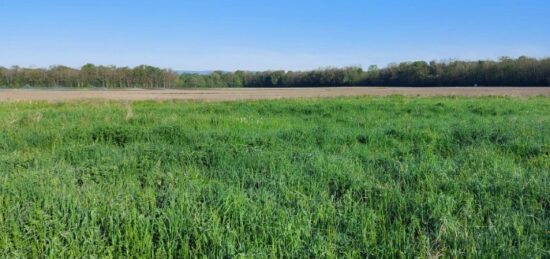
{"type": "Point", "coordinates": [268, 34]}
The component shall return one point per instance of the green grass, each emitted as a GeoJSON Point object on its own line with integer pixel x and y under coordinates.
{"type": "Point", "coordinates": [346, 177]}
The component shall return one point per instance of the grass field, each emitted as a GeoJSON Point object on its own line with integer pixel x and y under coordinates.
{"type": "Point", "coordinates": [361, 176]}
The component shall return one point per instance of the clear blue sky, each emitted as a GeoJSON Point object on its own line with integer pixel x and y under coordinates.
{"type": "Point", "coordinates": [268, 34]}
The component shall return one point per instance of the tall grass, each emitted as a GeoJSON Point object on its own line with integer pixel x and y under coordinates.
{"type": "Point", "coordinates": [347, 177]}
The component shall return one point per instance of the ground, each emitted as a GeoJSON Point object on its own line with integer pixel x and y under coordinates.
{"type": "Point", "coordinates": [338, 177]}
{"type": "Point", "coordinates": [263, 93]}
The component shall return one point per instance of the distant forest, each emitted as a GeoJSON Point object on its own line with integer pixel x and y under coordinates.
{"type": "Point", "coordinates": [89, 76]}
{"type": "Point", "coordinates": [523, 71]}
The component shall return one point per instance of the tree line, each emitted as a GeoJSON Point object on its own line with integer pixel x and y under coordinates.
{"type": "Point", "coordinates": [522, 71]}
{"type": "Point", "coordinates": [89, 76]}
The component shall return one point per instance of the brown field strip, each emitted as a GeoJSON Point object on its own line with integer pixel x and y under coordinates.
{"type": "Point", "coordinates": [225, 94]}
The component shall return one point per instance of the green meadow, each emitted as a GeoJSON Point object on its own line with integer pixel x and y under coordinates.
{"type": "Point", "coordinates": [311, 178]}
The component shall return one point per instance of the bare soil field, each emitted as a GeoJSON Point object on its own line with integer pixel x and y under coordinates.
{"type": "Point", "coordinates": [226, 94]}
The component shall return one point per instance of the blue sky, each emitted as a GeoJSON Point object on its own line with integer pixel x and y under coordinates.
{"type": "Point", "coordinates": [268, 34]}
